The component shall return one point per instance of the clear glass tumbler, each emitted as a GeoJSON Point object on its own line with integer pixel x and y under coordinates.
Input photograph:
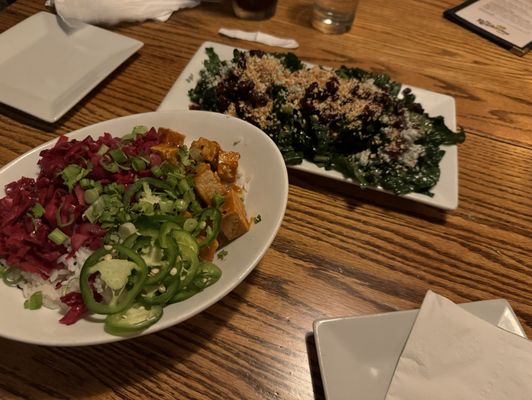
{"type": "Point", "coordinates": [333, 16]}
{"type": "Point", "coordinates": [254, 9]}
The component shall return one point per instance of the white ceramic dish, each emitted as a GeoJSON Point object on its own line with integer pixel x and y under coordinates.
{"type": "Point", "coordinates": [47, 67]}
{"type": "Point", "coordinates": [358, 355]}
{"type": "Point", "coordinates": [267, 192]}
{"type": "Point", "coordinates": [446, 190]}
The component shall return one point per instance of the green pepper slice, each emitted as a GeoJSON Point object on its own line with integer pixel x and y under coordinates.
{"type": "Point", "coordinates": [213, 229]}
{"type": "Point", "coordinates": [133, 319]}
{"type": "Point", "coordinates": [183, 295]}
{"type": "Point", "coordinates": [124, 277]}
{"type": "Point", "coordinates": [155, 296]}
{"type": "Point", "coordinates": [170, 253]}
{"type": "Point", "coordinates": [208, 274]}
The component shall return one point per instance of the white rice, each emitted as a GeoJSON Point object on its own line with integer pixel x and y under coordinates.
{"type": "Point", "coordinates": [66, 278]}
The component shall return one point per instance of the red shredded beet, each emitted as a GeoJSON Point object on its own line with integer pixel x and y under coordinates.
{"type": "Point", "coordinates": [77, 308]}
{"type": "Point", "coordinates": [24, 239]}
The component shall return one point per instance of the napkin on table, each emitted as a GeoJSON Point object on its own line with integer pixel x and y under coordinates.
{"type": "Point", "coordinates": [452, 354]}
{"type": "Point", "coordinates": [110, 12]}
{"type": "Point", "coordinates": [259, 37]}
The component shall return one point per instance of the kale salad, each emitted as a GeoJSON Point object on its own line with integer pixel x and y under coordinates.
{"type": "Point", "coordinates": [349, 120]}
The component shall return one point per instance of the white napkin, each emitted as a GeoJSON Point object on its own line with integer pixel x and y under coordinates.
{"type": "Point", "coordinates": [110, 12]}
{"type": "Point", "coordinates": [260, 37]}
{"type": "Point", "coordinates": [452, 354]}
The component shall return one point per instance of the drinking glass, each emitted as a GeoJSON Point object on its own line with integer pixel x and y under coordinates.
{"type": "Point", "coordinates": [333, 16]}
{"type": "Point", "coordinates": [254, 9]}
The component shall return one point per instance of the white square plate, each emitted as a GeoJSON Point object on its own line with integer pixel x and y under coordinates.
{"type": "Point", "coordinates": [46, 67]}
{"type": "Point", "coordinates": [446, 190]}
{"type": "Point", "coordinates": [358, 355]}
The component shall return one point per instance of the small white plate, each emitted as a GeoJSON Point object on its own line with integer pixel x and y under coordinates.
{"type": "Point", "coordinates": [445, 191]}
{"type": "Point", "coordinates": [266, 183]}
{"type": "Point", "coordinates": [358, 355]}
{"type": "Point", "coordinates": [46, 67]}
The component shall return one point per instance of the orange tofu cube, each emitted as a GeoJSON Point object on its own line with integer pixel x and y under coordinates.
{"type": "Point", "coordinates": [167, 152]}
{"type": "Point", "coordinates": [234, 218]}
{"type": "Point", "coordinates": [207, 183]}
{"type": "Point", "coordinates": [227, 166]}
{"type": "Point", "coordinates": [208, 149]}
{"type": "Point", "coordinates": [207, 253]}
{"type": "Point", "coordinates": [171, 137]}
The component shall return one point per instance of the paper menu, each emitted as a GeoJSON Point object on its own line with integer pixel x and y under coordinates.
{"type": "Point", "coordinates": [505, 22]}
{"type": "Point", "coordinates": [452, 354]}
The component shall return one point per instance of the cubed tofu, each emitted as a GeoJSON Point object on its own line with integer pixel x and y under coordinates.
{"type": "Point", "coordinates": [167, 151]}
{"type": "Point", "coordinates": [171, 137]}
{"type": "Point", "coordinates": [227, 166]}
{"type": "Point", "coordinates": [208, 149]}
{"type": "Point", "coordinates": [234, 218]}
{"type": "Point", "coordinates": [207, 183]}
{"type": "Point", "coordinates": [207, 253]}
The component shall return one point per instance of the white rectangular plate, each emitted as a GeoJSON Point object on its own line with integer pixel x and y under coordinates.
{"type": "Point", "coordinates": [46, 67]}
{"type": "Point", "coordinates": [446, 190]}
{"type": "Point", "coordinates": [358, 355]}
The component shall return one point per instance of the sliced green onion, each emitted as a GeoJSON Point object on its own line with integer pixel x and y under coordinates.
{"type": "Point", "coordinates": [91, 195]}
{"type": "Point", "coordinates": [217, 200]}
{"type": "Point", "coordinates": [156, 170]}
{"type": "Point", "coordinates": [126, 230]}
{"type": "Point", "coordinates": [138, 164]}
{"type": "Point", "coordinates": [72, 174]}
{"type": "Point", "coordinates": [59, 219]}
{"type": "Point", "coordinates": [95, 210]}
{"type": "Point", "coordinates": [140, 130]}
{"type": "Point", "coordinates": [57, 236]}
{"type": "Point", "coordinates": [190, 224]}
{"type": "Point", "coordinates": [181, 204]}
{"type": "Point", "coordinates": [37, 210]}
{"type": "Point", "coordinates": [86, 183]}
{"type": "Point", "coordinates": [183, 186]}
{"type": "Point", "coordinates": [110, 167]}
{"type": "Point", "coordinates": [195, 207]}
{"type": "Point", "coordinates": [34, 302]}
{"type": "Point", "coordinates": [183, 155]}
{"type": "Point", "coordinates": [118, 155]}
{"type": "Point", "coordinates": [12, 276]}
{"type": "Point", "coordinates": [166, 206]}
{"type": "Point", "coordinates": [102, 150]}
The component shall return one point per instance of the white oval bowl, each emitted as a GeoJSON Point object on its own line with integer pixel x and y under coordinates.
{"type": "Point", "coordinates": [266, 180]}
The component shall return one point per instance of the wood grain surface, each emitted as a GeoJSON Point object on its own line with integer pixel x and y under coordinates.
{"type": "Point", "coordinates": [340, 250]}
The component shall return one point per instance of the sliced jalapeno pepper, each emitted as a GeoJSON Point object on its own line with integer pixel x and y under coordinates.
{"type": "Point", "coordinates": [165, 230]}
{"type": "Point", "coordinates": [130, 240]}
{"type": "Point", "coordinates": [208, 274]}
{"type": "Point", "coordinates": [133, 319]}
{"type": "Point", "coordinates": [124, 277]}
{"type": "Point", "coordinates": [213, 228]}
{"type": "Point", "coordinates": [159, 296]}
{"type": "Point", "coordinates": [183, 295]}
{"type": "Point", "coordinates": [152, 225]}
{"type": "Point", "coordinates": [170, 253]}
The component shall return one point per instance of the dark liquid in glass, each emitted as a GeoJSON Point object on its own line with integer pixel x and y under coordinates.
{"type": "Point", "coordinates": [254, 9]}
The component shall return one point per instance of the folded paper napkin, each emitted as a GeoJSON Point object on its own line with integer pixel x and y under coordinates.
{"type": "Point", "coordinates": [452, 354]}
{"type": "Point", "coordinates": [259, 37]}
{"type": "Point", "coordinates": [110, 12]}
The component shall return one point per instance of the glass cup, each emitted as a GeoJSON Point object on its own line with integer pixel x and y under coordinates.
{"type": "Point", "coordinates": [333, 16]}
{"type": "Point", "coordinates": [254, 9]}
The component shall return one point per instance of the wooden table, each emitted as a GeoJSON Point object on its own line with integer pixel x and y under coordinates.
{"type": "Point", "coordinates": [340, 250]}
